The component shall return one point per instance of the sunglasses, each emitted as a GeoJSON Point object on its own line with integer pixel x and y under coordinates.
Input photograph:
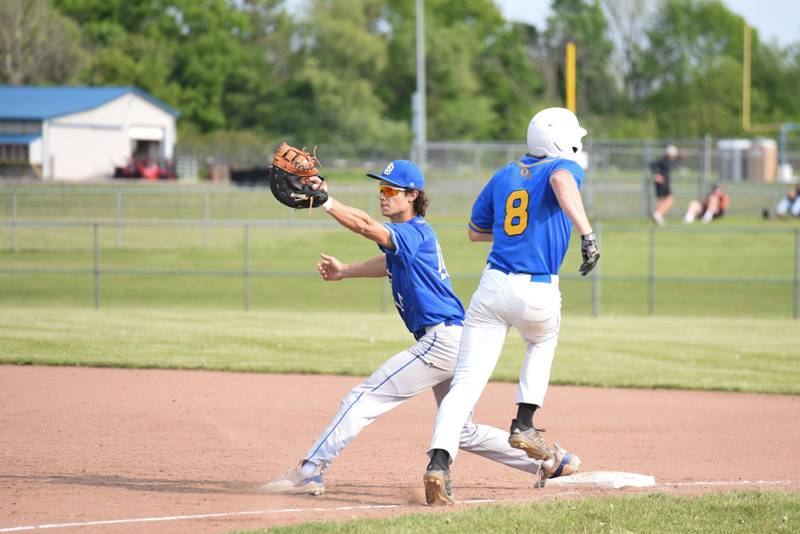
{"type": "Point", "coordinates": [390, 191]}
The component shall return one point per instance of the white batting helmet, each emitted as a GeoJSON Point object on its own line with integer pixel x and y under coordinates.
{"type": "Point", "coordinates": [555, 132]}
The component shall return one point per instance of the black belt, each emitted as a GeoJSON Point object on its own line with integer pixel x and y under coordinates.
{"type": "Point", "coordinates": [424, 330]}
{"type": "Point", "coordinates": [545, 278]}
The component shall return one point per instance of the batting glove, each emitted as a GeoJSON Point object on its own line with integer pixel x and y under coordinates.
{"type": "Point", "coordinates": [590, 253]}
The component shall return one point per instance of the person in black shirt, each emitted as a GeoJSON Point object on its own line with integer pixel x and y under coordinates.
{"type": "Point", "coordinates": [661, 170]}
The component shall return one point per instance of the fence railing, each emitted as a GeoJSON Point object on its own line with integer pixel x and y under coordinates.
{"type": "Point", "coordinates": [673, 270]}
{"type": "Point", "coordinates": [605, 199]}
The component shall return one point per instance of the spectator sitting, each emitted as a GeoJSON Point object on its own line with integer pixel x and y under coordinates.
{"type": "Point", "coordinates": [712, 206]}
{"type": "Point", "coordinates": [789, 205]}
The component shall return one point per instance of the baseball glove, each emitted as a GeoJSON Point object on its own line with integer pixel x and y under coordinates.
{"type": "Point", "coordinates": [287, 178]}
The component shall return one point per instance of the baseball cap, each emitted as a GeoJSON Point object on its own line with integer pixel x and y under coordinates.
{"type": "Point", "coordinates": [402, 173]}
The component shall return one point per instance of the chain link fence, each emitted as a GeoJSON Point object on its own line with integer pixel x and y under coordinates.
{"type": "Point", "coordinates": [95, 233]}
{"type": "Point", "coordinates": [266, 265]}
{"type": "Point", "coordinates": [618, 184]}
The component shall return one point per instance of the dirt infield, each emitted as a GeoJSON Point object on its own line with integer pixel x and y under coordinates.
{"type": "Point", "coordinates": [183, 451]}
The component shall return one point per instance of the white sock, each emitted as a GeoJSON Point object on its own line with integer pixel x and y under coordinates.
{"type": "Point", "coordinates": [688, 218]}
{"type": "Point", "coordinates": [707, 216]}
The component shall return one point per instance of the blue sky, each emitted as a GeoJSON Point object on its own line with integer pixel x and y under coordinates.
{"type": "Point", "coordinates": [774, 19]}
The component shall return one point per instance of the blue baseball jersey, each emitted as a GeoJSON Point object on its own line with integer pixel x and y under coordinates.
{"type": "Point", "coordinates": [519, 208]}
{"type": "Point", "coordinates": [421, 288]}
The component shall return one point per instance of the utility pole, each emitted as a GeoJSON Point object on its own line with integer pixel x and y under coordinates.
{"type": "Point", "coordinates": [420, 119]}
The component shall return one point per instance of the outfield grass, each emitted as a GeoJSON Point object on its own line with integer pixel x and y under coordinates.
{"type": "Point", "coordinates": [712, 354]}
{"type": "Point", "coordinates": [718, 512]}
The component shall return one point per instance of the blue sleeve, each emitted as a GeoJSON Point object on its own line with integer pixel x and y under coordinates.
{"type": "Point", "coordinates": [571, 167]}
{"type": "Point", "coordinates": [482, 217]}
{"type": "Point", "coordinates": [406, 238]}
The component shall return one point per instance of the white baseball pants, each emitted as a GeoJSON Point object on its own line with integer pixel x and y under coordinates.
{"type": "Point", "coordinates": [500, 302]}
{"type": "Point", "coordinates": [427, 364]}
{"type": "Point", "coordinates": [786, 206]}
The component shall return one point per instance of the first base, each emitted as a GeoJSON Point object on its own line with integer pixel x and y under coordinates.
{"type": "Point", "coordinates": [604, 479]}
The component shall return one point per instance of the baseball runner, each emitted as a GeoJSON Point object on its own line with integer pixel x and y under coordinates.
{"type": "Point", "coordinates": [525, 210]}
{"type": "Point", "coordinates": [423, 295]}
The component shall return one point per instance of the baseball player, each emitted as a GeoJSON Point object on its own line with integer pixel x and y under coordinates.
{"type": "Point", "coordinates": [525, 210]}
{"type": "Point", "coordinates": [423, 295]}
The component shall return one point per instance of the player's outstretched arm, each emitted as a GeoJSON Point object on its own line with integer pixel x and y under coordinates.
{"type": "Point", "coordinates": [354, 219]}
{"type": "Point", "coordinates": [331, 269]}
{"type": "Point", "coordinates": [358, 221]}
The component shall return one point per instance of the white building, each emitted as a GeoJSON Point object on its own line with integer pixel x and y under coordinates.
{"type": "Point", "coordinates": [75, 133]}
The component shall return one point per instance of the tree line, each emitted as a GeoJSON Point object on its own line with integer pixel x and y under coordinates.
{"type": "Point", "coordinates": [343, 71]}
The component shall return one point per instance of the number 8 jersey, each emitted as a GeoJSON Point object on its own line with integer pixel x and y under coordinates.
{"type": "Point", "coordinates": [519, 208]}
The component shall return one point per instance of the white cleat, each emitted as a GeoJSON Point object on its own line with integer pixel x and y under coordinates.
{"type": "Point", "coordinates": [296, 483]}
{"type": "Point", "coordinates": [563, 464]}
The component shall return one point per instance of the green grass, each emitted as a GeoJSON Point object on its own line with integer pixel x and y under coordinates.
{"type": "Point", "coordinates": [754, 355]}
{"type": "Point", "coordinates": [452, 191]}
{"type": "Point", "coordinates": [722, 270]}
{"type": "Point", "coordinates": [718, 512]}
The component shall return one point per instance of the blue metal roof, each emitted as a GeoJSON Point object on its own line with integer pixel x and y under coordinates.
{"type": "Point", "coordinates": [21, 102]}
{"type": "Point", "coordinates": [25, 139]}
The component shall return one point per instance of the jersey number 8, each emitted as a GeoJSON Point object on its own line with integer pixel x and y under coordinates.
{"type": "Point", "coordinates": [516, 212]}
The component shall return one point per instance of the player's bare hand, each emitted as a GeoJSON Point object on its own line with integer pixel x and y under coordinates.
{"type": "Point", "coordinates": [659, 178]}
{"type": "Point", "coordinates": [330, 268]}
{"type": "Point", "coordinates": [316, 183]}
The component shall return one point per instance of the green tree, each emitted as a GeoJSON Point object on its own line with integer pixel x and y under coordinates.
{"type": "Point", "coordinates": [182, 51]}
{"type": "Point", "coordinates": [691, 69]}
{"type": "Point", "coordinates": [584, 24]}
{"type": "Point", "coordinates": [38, 45]}
{"type": "Point", "coordinates": [331, 99]}
{"type": "Point", "coordinates": [481, 81]}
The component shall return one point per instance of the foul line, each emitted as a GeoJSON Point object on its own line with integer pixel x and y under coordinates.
{"type": "Point", "coordinates": [222, 514]}
{"type": "Point", "coordinates": [358, 507]}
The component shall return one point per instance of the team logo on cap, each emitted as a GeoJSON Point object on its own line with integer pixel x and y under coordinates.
{"type": "Point", "coordinates": [389, 168]}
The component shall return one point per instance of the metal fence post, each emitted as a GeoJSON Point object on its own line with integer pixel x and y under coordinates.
{"type": "Point", "coordinates": [596, 276]}
{"type": "Point", "coordinates": [588, 181]}
{"type": "Point", "coordinates": [14, 221]}
{"type": "Point", "coordinates": [796, 300]}
{"type": "Point", "coordinates": [647, 201]}
{"type": "Point", "coordinates": [651, 274]}
{"type": "Point", "coordinates": [118, 218]}
{"type": "Point", "coordinates": [96, 269]}
{"type": "Point", "coordinates": [246, 267]}
{"type": "Point", "coordinates": [206, 216]}
{"type": "Point", "coordinates": [706, 177]}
